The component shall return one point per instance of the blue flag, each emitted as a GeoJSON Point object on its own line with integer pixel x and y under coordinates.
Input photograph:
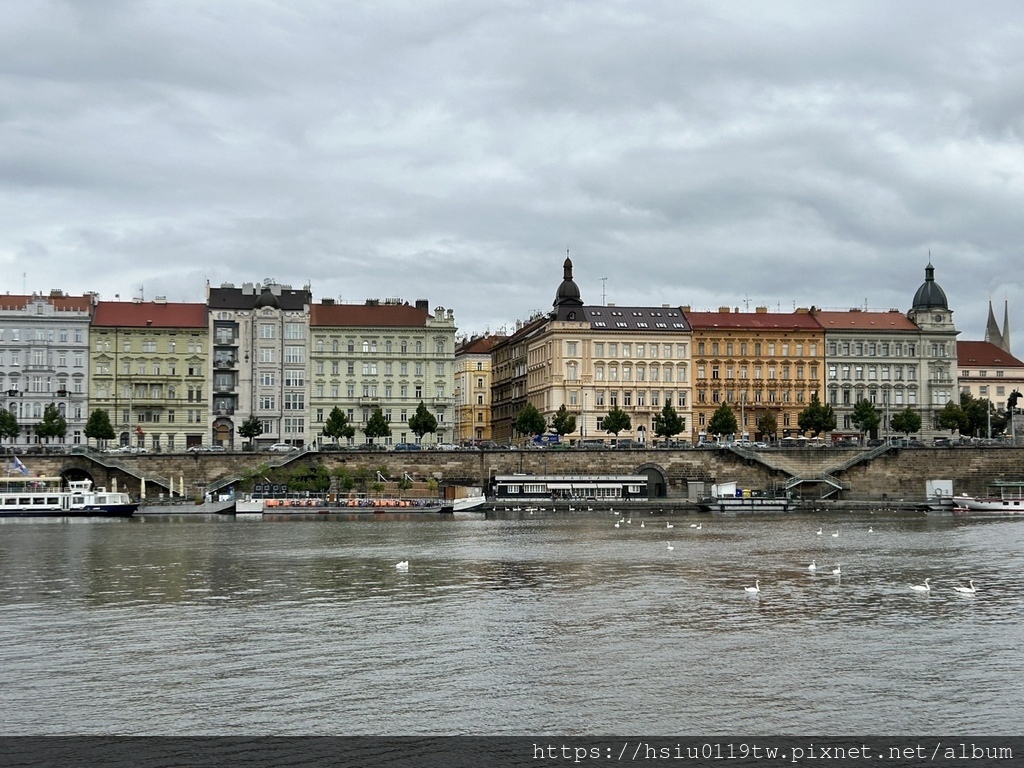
{"type": "Point", "coordinates": [18, 465]}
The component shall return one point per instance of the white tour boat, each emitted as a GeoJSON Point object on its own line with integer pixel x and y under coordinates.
{"type": "Point", "coordinates": [53, 497]}
{"type": "Point", "coordinates": [1004, 497]}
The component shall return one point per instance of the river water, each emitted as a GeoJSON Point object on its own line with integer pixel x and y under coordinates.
{"type": "Point", "coordinates": [216, 626]}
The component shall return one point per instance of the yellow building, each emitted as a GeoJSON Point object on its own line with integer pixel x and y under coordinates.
{"type": "Point", "coordinates": [757, 363]}
{"type": "Point", "coordinates": [593, 359]}
{"type": "Point", "coordinates": [473, 389]}
{"type": "Point", "coordinates": [149, 363]}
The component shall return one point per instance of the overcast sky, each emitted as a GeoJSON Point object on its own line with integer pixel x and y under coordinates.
{"type": "Point", "coordinates": [688, 153]}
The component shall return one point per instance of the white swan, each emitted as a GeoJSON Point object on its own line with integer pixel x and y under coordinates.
{"type": "Point", "coordinates": [700, 526]}
{"type": "Point", "coordinates": [670, 547]}
{"type": "Point", "coordinates": [967, 590]}
{"type": "Point", "coordinates": [616, 523]}
{"type": "Point", "coordinates": [818, 531]}
{"type": "Point", "coordinates": [754, 589]}
{"type": "Point", "coordinates": [402, 566]}
{"type": "Point", "coordinates": [641, 524]}
{"type": "Point", "coordinates": [870, 529]}
{"type": "Point", "coordinates": [813, 566]}
{"type": "Point", "coordinates": [669, 525]}
{"type": "Point", "coordinates": [922, 587]}
{"type": "Point", "coordinates": [835, 535]}
{"type": "Point", "coordinates": [838, 570]}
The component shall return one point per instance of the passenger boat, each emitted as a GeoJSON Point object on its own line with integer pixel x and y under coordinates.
{"type": "Point", "coordinates": [727, 497]}
{"type": "Point", "coordinates": [52, 497]}
{"type": "Point", "coordinates": [1003, 497]}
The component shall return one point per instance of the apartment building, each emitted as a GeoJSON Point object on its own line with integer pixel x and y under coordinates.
{"type": "Point", "coordinates": [44, 359]}
{"type": "Point", "coordinates": [592, 359]}
{"type": "Point", "coordinates": [874, 356]}
{"type": "Point", "coordinates": [988, 372]}
{"type": "Point", "coordinates": [473, 389]}
{"type": "Point", "coordinates": [259, 362]}
{"type": "Point", "coordinates": [386, 355]}
{"type": "Point", "coordinates": [756, 363]}
{"type": "Point", "coordinates": [149, 372]}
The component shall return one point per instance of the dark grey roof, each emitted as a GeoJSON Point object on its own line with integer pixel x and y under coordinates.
{"type": "Point", "coordinates": [240, 299]}
{"type": "Point", "coordinates": [645, 319]}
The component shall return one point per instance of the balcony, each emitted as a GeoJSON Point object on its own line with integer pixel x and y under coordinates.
{"type": "Point", "coordinates": [224, 388]}
{"type": "Point", "coordinates": [223, 411]}
{"type": "Point", "coordinates": [224, 364]}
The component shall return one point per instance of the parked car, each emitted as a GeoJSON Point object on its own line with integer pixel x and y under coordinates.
{"type": "Point", "coordinates": [407, 447]}
{"type": "Point", "coordinates": [281, 448]}
{"type": "Point", "coordinates": [370, 447]}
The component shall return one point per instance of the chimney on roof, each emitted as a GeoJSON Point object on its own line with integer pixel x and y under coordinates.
{"type": "Point", "coordinates": [724, 310]}
{"type": "Point", "coordinates": [327, 302]}
{"type": "Point", "coordinates": [761, 310]}
{"type": "Point", "coordinates": [423, 305]}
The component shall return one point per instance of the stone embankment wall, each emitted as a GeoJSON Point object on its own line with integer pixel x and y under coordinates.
{"type": "Point", "coordinates": [898, 473]}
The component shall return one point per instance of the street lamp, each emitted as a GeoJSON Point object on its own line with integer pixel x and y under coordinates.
{"type": "Point", "coordinates": [583, 418]}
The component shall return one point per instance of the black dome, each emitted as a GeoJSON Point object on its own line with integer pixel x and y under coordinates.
{"type": "Point", "coordinates": [267, 299]}
{"type": "Point", "coordinates": [930, 295]}
{"type": "Point", "coordinates": [568, 292]}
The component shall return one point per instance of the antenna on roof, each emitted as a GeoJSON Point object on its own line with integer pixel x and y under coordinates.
{"type": "Point", "coordinates": [746, 303]}
{"type": "Point", "coordinates": [604, 283]}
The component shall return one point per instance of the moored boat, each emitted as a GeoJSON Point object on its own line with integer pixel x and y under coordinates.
{"type": "Point", "coordinates": [1004, 497]}
{"type": "Point", "coordinates": [53, 497]}
{"type": "Point", "coordinates": [728, 497]}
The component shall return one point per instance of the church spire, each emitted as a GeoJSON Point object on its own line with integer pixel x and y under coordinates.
{"type": "Point", "coordinates": [992, 334]}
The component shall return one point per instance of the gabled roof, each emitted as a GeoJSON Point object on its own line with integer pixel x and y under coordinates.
{"type": "Point", "coordinates": [368, 316]}
{"type": "Point", "coordinates": [984, 354]}
{"type": "Point", "coordinates": [753, 321]}
{"type": "Point", "coordinates": [152, 314]}
{"type": "Point", "coordinates": [856, 320]}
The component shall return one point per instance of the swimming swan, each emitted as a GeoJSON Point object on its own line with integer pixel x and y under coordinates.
{"type": "Point", "coordinates": [402, 566]}
{"type": "Point", "coordinates": [922, 587]}
{"type": "Point", "coordinates": [967, 590]}
{"type": "Point", "coordinates": [754, 589]}
{"type": "Point", "coordinates": [813, 566]}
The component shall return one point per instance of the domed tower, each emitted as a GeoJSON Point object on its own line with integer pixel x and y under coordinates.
{"type": "Point", "coordinates": [936, 366]}
{"type": "Point", "coordinates": [267, 299]}
{"type": "Point", "coordinates": [567, 303]}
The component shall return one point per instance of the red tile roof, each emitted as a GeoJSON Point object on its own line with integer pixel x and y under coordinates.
{"type": "Point", "coordinates": [754, 321]}
{"type": "Point", "coordinates": [984, 354]}
{"type": "Point", "coordinates": [855, 320]}
{"type": "Point", "coordinates": [130, 314]}
{"type": "Point", "coordinates": [368, 316]}
{"type": "Point", "coordinates": [68, 303]}
{"type": "Point", "coordinates": [479, 346]}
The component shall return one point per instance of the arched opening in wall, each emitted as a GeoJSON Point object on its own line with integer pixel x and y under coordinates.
{"type": "Point", "coordinates": [222, 433]}
{"type": "Point", "coordinates": [657, 481]}
{"type": "Point", "coordinates": [75, 473]}
{"type": "Point", "coordinates": [641, 434]}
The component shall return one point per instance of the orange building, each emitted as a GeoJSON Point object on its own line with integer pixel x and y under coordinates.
{"type": "Point", "coordinates": [758, 363]}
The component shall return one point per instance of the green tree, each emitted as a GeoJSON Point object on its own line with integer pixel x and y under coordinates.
{"type": "Point", "coordinates": [616, 421]}
{"type": "Point", "coordinates": [722, 421]}
{"type": "Point", "coordinates": [250, 429]}
{"type": "Point", "coordinates": [337, 425]}
{"type": "Point", "coordinates": [530, 421]}
{"type": "Point", "coordinates": [953, 417]}
{"type": "Point", "coordinates": [767, 424]}
{"type": "Point", "coordinates": [667, 423]}
{"type": "Point", "coordinates": [865, 416]}
{"type": "Point", "coordinates": [8, 425]}
{"type": "Point", "coordinates": [816, 417]}
{"type": "Point", "coordinates": [98, 427]}
{"type": "Point", "coordinates": [422, 421]}
{"type": "Point", "coordinates": [53, 423]}
{"type": "Point", "coordinates": [377, 426]}
{"type": "Point", "coordinates": [907, 422]}
{"type": "Point", "coordinates": [563, 422]}
{"type": "Point", "coordinates": [981, 416]}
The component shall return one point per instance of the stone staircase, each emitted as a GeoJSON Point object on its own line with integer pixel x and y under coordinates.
{"type": "Point", "coordinates": [811, 467]}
